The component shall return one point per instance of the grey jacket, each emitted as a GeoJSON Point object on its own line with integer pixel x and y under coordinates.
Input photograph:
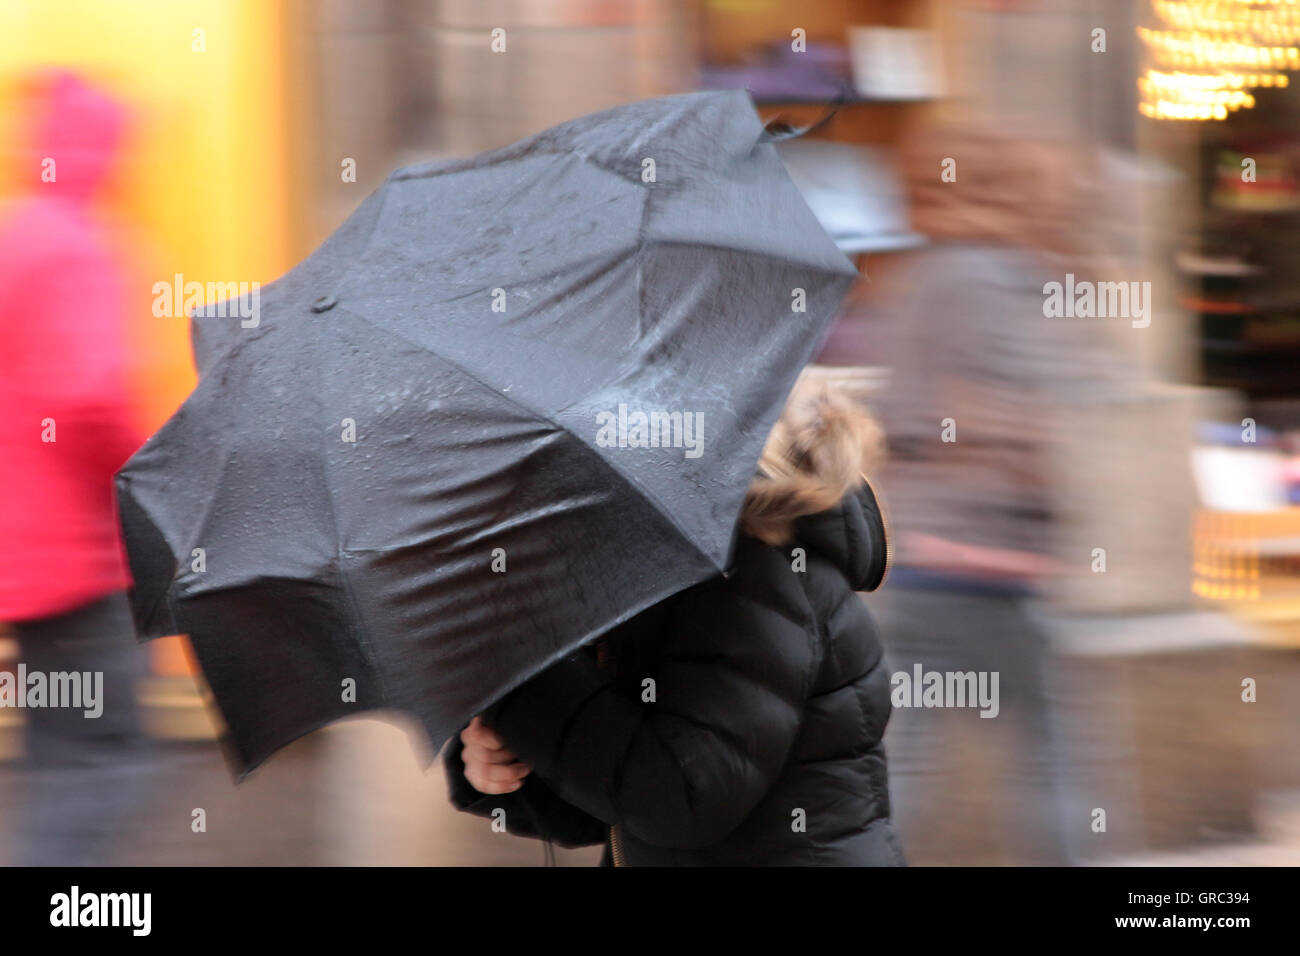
{"type": "Point", "coordinates": [973, 355]}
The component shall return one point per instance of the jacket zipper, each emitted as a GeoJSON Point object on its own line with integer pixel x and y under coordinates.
{"type": "Point", "coordinates": [615, 847]}
{"type": "Point", "coordinates": [605, 660]}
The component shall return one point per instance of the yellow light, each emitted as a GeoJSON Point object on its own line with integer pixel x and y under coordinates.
{"type": "Point", "coordinates": [1197, 48]}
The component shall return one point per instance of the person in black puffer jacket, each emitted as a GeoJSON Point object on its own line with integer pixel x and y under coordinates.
{"type": "Point", "coordinates": [738, 723]}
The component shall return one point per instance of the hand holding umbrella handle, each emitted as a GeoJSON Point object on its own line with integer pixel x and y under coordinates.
{"type": "Point", "coordinates": [489, 766]}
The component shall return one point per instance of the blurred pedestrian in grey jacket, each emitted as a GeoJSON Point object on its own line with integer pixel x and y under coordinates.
{"type": "Point", "coordinates": [980, 384]}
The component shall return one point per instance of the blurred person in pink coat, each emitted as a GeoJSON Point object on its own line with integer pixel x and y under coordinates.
{"type": "Point", "coordinates": [65, 428]}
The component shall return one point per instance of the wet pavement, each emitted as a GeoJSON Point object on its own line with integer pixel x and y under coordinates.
{"type": "Point", "coordinates": [352, 794]}
{"type": "Point", "coordinates": [359, 793]}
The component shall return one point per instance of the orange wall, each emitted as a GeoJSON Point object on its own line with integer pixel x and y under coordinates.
{"type": "Point", "coordinates": [204, 188]}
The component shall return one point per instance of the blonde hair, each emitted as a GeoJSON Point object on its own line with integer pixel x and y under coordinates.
{"type": "Point", "coordinates": [820, 448]}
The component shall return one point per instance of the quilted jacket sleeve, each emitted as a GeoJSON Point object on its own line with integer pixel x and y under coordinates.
{"type": "Point", "coordinates": [533, 810]}
{"type": "Point", "coordinates": [684, 764]}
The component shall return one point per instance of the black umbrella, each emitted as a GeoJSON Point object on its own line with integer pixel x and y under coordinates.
{"type": "Point", "coordinates": [513, 401]}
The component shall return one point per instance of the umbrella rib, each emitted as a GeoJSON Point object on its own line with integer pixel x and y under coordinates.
{"type": "Point", "coordinates": [123, 490]}
{"type": "Point", "coordinates": [627, 479]}
{"type": "Point", "coordinates": [383, 192]}
{"type": "Point", "coordinates": [345, 580]}
{"type": "Point", "coordinates": [193, 533]}
{"type": "Point", "coordinates": [822, 267]}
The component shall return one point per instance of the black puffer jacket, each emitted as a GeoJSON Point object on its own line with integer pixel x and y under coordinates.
{"type": "Point", "coordinates": [762, 741]}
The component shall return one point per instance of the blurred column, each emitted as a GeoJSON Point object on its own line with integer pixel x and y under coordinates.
{"type": "Point", "coordinates": [1134, 651]}
{"type": "Point", "coordinates": [354, 80]}
{"type": "Point", "coordinates": [562, 58]}
{"type": "Point", "coordinates": [1067, 70]}
{"type": "Point", "coordinates": [394, 82]}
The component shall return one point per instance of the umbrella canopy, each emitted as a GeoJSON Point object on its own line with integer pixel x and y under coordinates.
{"type": "Point", "coordinates": [513, 401]}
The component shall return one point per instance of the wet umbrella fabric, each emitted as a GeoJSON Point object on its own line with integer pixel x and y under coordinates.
{"type": "Point", "coordinates": [415, 474]}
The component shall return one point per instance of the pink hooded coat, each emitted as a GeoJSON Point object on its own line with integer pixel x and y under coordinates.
{"type": "Point", "coordinates": [63, 360]}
